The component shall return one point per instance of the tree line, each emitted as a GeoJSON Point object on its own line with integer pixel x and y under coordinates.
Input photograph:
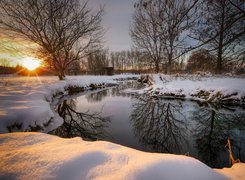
{"type": "Point", "coordinates": [125, 61]}
{"type": "Point", "coordinates": [69, 34]}
{"type": "Point", "coordinates": [166, 30]}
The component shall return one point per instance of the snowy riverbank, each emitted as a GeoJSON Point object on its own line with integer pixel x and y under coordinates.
{"type": "Point", "coordinates": [29, 155]}
{"type": "Point", "coordinates": [26, 101]}
{"type": "Point", "coordinates": [26, 104]}
{"type": "Point", "coordinates": [213, 89]}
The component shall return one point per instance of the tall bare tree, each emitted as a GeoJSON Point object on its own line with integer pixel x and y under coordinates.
{"type": "Point", "coordinates": [64, 29]}
{"type": "Point", "coordinates": [160, 28]}
{"type": "Point", "coordinates": [221, 29]}
{"type": "Point", "coordinates": [145, 33]}
{"type": "Point", "coordinates": [177, 17]}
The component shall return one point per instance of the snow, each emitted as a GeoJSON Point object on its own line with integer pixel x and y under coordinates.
{"type": "Point", "coordinates": [188, 86]}
{"type": "Point", "coordinates": [26, 101]}
{"type": "Point", "coordinates": [43, 156]}
{"type": "Point", "coordinates": [235, 172]}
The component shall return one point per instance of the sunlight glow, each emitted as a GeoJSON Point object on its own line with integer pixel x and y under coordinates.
{"type": "Point", "coordinates": [31, 63]}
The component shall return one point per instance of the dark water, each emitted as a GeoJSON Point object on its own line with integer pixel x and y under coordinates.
{"type": "Point", "coordinates": [156, 125]}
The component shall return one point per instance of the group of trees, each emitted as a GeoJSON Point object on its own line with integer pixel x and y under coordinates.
{"type": "Point", "coordinates": [122, 61]}
{"type": "Point", "coordinates": [162, 31]}
{"type": "Point", "coordinates": [129, 61]}
{"type": "Point", "coordinates": [201, 60]}
{"type": "Point", "coordinates": [165, 30]}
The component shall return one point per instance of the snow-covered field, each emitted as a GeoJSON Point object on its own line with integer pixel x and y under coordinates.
{"type": "Point", "coordinates": [42, 156]}
{"type": "Point", "coordinates": [25, 103]}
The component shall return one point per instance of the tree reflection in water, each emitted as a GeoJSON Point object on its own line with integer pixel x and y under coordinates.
{"type": "Point", "coordinates": [168, 126]}
{"type": "Point", "coordinates": [159, 125]}
{"type": "Point", "coordinates": [213, 129]}
{"type": "Point", "coordinates": [83, 124]}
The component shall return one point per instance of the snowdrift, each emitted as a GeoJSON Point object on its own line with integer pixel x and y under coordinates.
{"type": "Point", "coordinates": [43, 156]}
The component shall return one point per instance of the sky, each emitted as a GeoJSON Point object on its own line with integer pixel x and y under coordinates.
{"type": "Point", "coordinates": [117, 19]}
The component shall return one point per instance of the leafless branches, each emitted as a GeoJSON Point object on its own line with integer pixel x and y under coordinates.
{"type": "Point", "coordinates": [64, 29]}
{"type": "Point", "coordinates": [221, 29]}
{"type": "Point", "coordinates": [84, 124]}
{"type": "Point", "coordinates": [159, 29]}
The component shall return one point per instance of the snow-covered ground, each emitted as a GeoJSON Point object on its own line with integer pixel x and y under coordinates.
{"type": "Point", "coordinates": [230, 90]}
{"type": "Point", "coordinates": [42, 156]}
{"type": "Point", "coordinates": [25, 103]}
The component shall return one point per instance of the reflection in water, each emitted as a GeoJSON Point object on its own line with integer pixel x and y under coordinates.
{"type": "Point", "coordinates": [159, 124]}
{"type": "Point", "coordinates": [83, 124]}
{"type": "Point", "coordinates": [156, 125]}
{"type": "Point", "coordinates": [212, 131]}
{"type": "Point", "coordinates": [115, 91]}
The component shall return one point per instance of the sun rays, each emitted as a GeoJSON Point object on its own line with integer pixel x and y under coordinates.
{"type": "Point", "coordinates": [31, 63]}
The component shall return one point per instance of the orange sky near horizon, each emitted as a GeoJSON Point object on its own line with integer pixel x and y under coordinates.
{"type": "Point", "coordinates": [15, 50]}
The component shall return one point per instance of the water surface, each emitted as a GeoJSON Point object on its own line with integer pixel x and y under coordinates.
{"type": "Point", "coordinates": [155, 125]}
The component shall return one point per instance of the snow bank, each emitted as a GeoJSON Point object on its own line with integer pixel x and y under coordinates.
{"type": "Point", "coordinates": [236, 172]}
{"type": "Point", "coordinates": [211, 89]}
{"type": "Point", "coordinates": [25, 101]}
{"type": "Point", "coordinates": [42, 156]}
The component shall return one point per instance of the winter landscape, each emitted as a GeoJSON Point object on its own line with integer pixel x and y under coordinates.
{"type": "Point", "coordinates": [109, 89]}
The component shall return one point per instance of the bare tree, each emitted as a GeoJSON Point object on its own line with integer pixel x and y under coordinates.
{"type": "Point", "coordinates": [177, 17]}
{"type": "Point", "coordinates": [64, 29]}
{"type": "Point", "coordinates": [145, 33]}
{"type": "Point", "coordinates": [160, 28]}
{"type": "Point", "coordinates": [221, 29]}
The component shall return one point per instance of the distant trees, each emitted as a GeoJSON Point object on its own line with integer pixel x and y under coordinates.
{"type": "Point", "coordinates": [97, 61]}
{"type": "Point", "coordinates": [129, 61]}
{"type": "Point", "coordinates": [65, 30]}
{"type": "Point", "coordinates": [126, 61]}
{"type": "Point", "coordinates": [201, 60]}
{"type": "Point", "coordinates": [4, 62]}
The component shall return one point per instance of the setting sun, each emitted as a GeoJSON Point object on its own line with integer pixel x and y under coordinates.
{"type": "Point", "coordinates": [31, 63]}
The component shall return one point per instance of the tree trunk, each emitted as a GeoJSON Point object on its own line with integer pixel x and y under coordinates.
{"type": "Point", "coordinates": [61, 75]}
{"type": "Point", "coordinates": [157, 66]}
{"type": "Point", "coordinates": [170, 63]}
{"type": "Point", "coordinates": [219, 62]}
{"type": "Point", "coordinates": [169, 67]}
{"type": "Point", "coordinates": [221, 39]}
